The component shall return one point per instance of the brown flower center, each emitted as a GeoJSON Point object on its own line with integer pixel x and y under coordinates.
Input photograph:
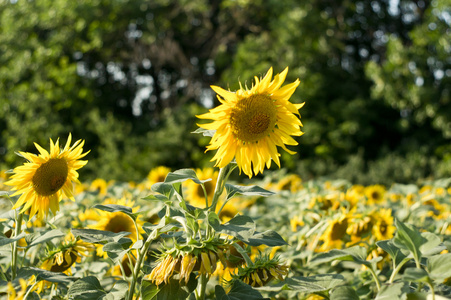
{"type": "Point", "coordinates": [50, 177]}
{"type": "Point", "coordinates": [253, 118]}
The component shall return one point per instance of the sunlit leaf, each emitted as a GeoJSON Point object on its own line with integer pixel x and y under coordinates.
{"type": "Point", "coordinates": [439, 266]}
{"type": "Point", "coordinates": [86, 288]}
{"type": "Point", "coordinates": [253, 190]}
{"type": "Point", "coordinates": [183, 175]}
{"type": "Point", "coordinates": [344, 293]}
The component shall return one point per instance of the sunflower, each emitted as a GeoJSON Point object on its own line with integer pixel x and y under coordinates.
{"type": "Point", "coordinates": [158, 174]}
{"type": "Point", "coordinates": [290, 182]}
{"type": "Point", "coordinates": [261, 272]}
{"type": "Point", "coordinates": [116, 221]}
{"type": "Point", "coordinates": [335, 234]}
{"type": "Point", "coordinates": [375, 194]}
{"type": "Point", "coordinates": [13, 294]}
{"type": "Point", "coordinates": [383, 228]}
{"type": "Point", "coordinates": [44, 179]}
{"type": "Point", "coordinates": [195, 193]}
{"type": "Point", "coordinates": [62, 259]}
{"type": "Point", "coordinates": [250, 124]}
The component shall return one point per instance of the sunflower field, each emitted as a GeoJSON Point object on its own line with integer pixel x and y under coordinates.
{"type": "Point", "coordinates": [231, 231]}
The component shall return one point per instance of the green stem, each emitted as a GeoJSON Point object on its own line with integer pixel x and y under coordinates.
{"type": "Point", "coordinates": [432, 289]}
{"type": "Point", "coordinates": [203, 286]}
{"type": "Point", "coordinates": [224, 174]}
{"type": "Point", "coordinates": [18, 230]}
{"type": "Point", "coordinates": [376, 279]}
{"type": "Point", "coordinates": [397, 269]}
{"type": "Point", "coordinates": [138, 266]}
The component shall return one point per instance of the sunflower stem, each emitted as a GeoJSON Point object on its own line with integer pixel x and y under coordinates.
{"type": "Point", "coordinates": [139, 262]}
{"type": "Point", "coordinates": [203, 286]}
{"type": "Point", "coordinates": [224, 174]}
{"type": "Point", "coordinates": [376, 279]}
{"type": "Point", "coordinates": [18, 230]}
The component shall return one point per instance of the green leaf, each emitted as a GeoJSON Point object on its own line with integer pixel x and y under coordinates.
{"type": "Point", "coordinates": [409, 238]}
{"type": "Point", "coordinates": [253, 190]}
{"type": "Point", "coordinates": [42, 237]}
{"type": "Point", "coordinates": [148, 290]}
{"type": "Point", "coordinates": [313, 284]}
{"type": "Point", "coordinates": [394, 291]}
{"type": "Point", "coordinates": [356, 254]}
{"type": "Point", "coordinates": [432, 246]}
{"type": "Point", "coordinates": [164, 189]}
{"type": "Point", "coordinates": [119, 291]}
{"type": "Point", "coordinates": [268, 238]}
{"type": "Point", "coordinates": [205, 132]}
{"type": "Point", "coordinates": [394, 251]}
{"type": "Point", "coordinates": [116, 250]}
{"type": "Point", "coordinates": [242, 291]}
{"type": "Point", "coordinates": [116, 208]}
{"type": "Point", "coordinates": [220, 293]}
{"type": "Point", "coordinates": [5, 241]}
{"type": "Point", "coordinates": [242, 227]}
{"type": "Point", "coordinates": [344, 293]}
{"type": "Point", "coordinates": [156, 197]}
{"type": "Point", "coordinates": [173, 290]}
{"type": "Point", "coordinates": [416, 275]}
{"type": "Point", "coordinates": [88, 288]}
{"type": "Point", "coordinates": [439, 266]}
{"type": "Point", "coordinates": [98, 236]}
{"type": "Point", "coordinates": [183, 175]}
{"type": "Point", "coordinates": [41, 274]}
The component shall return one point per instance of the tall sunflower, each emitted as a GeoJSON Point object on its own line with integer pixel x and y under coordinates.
{"type": "Point", "coordinates": [250, 124]}
{"type": "Point", "coordinates": [44, 179]}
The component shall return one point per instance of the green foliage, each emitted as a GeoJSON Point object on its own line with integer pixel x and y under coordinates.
{"type": "Point", "coordinates": [127, 76]}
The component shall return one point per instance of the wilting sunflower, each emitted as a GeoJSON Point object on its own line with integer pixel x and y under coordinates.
{"type": "Point", "coordinates": [44, 179]}
{"type": "Point", "coordinates": [62, 259]}
{"type": "Point", "coordinates": [250, 124]}
{"type": "Point", "coordinates": [261, 272]}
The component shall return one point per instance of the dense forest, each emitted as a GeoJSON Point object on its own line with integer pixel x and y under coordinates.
{"type": "Point", "coordinates": [130, 76]}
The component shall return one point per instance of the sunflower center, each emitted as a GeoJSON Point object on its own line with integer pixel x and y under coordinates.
{"type": "Point", "coordinates": [253, 118]}
{"type": "Point", "coordinates": [339, 230]}
{"type": "Point", "coordinates": [119, 222]}
{"type": "Point", "coordinates": [50, 176]}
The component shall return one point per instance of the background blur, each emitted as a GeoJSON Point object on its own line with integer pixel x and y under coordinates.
{"type": "Point", "coordinates": [129, 77]}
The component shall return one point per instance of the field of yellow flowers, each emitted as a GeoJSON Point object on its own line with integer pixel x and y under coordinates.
{"type": "Point", "coordinates": [198, 234]}
{"type": "Point", "coordinates": [333, 240]}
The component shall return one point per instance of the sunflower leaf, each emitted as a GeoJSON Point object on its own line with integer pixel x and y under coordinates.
{"type": "Point", "coordinates": [5, 241]}
{"type": "Point", "coordinates": [116, 208]}
{"type": "Point", "coordinates": [183, 175]}
{"type": "Point", "coordinates": [416, 275]}
{"type": "Point", "coordinates": [439, 266]}
{"type": "Point", "coordinates": [242, 227]}
{"type": "Point", "coordinates": [409, 238]}
{"type": "Point", "coordinates": [99, 236]}
{"type": "Point", "coordinates": [394, 252]}
{"type": "Point", "coordinates": [86, 288]}
{"type": "Point", "coordinates": [253, 190]}
{"type": "Point", "coordinates": [269, 238]}
{"type": "Point", "coordinates": [356, 254]}
{"type": "Point", "coordinates": [42, 237]}
{"type": "Point", "coordinates": [41, 274]}
{"type": "Point", "coordinates": [344, 293]}
{"type": "Point", "coordinates": [164, 189]}
{"type": "Point", "coordinates": [394, 291]}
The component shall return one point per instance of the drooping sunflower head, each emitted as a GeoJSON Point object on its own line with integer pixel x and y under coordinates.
{"type": "Point", "coordinates": [45, 178]}
{"type": "Point", "coordinates": [263, 271]}
{"type": "Point", "coordinates": [251, 123]}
